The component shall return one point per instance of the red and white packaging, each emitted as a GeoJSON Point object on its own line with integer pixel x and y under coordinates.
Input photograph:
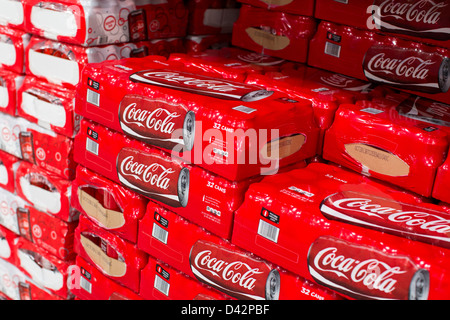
{"type": "Point", "coordinates": [410, 66]}
{"type": "Point", "coordinates": [15, 285]}
{"type": "Point", "coordinates": [48, 105]}
{"type": "Point", "coordinates": [158, 20]}
{"type": "Point", "coordinates": [198, 44]}
{"type": "Point", "coordinates": [89, 283]}
{"type": "Point", "coordinates": [81, 22]}
{"type": "Point", "coordinates": [300, 7]}
{"type": "Point", "coordinates": [405, 143]}
{"type": "Point", "coordinates": [8, 250]}
{"type": "Point", "coordinates": [12, 14]}
{"type": "Point", "coordinates": [167, 180]}
{"type": "Point", "coordinates": [273, 33]}
{"type": "Point", "coordinates": [45, 191]}
{"type": "Point", "coordinates": [359, 237]}
{"type": "Point", "coordinates": [9, 204]}
{"type": "Point", "coordinates": [62, 63]}
{"type": "Point", "coordinates": [422, 21]}
{"type": "Point", "coordinates": [110, 205]}
{"type": "Point", "coordinates": [35, 144]}
{"type": "Point", "coordinates": [160, 281]}
{"type": "Point", "coordinates": [116, 258]}
{"type": "Point", "coordinates": [10, 83]}
{"type": "Point", "coordinates": [12, 49]}
{"type": "Point", "coordinates": [48, 232]}
{"type": "Point", "coordinates": [44, 268]}
{"type": "Point", "coordinates": [203, 119]}
{"type": "Point", "coordinates": [8, 167]}
{"type": "Point", "coordinates": [208, 17]}
{"type": "Point", "coordinates": [441, 189]}
{"type": "Point", "coordinates": [326, 90]}
{"type": "Point", "coordinates": [217, 263]}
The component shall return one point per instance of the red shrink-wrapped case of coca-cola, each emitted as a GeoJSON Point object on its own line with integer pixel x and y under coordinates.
{"type": "Point", "coordinates": [62, 63]}
{"type": "Point", "coordinates": [198, 44]}
{"type": "Point", "coordinates": [8, 167]}
{"type": "Point", "coordinates": [233, 129]}
{"type": "Point", "coordinates": [80, 22]}
{"type": "Point", "coordinates": [300, 7]}
{"type": "Point", "coordinates": [160, 281]}
{"type": "Point", "coordinates": [273, 33]}
{"type": "Point", "coordinates": [158, 47]}
{"type": "Point", "coordinates": [10, 83]}
{"type": "Point", "coordinates": [411, 66]}
{"type": "Point", "coordinates": [12, 14]}
{"type": "Point", "coordinates": [33, 143]}
{"type": "Point", "coordinates": [8, 250]}
{"type": "Point", "coordinates": [156, 175]}
{"type": "Point", "coordinates": [45, 191]}
{"type": "Point", "coordinates": [13, 43]}
{"type": "Point", "coordinates": [158, 20]}
{"type": "Point", "coordinates": [405, 144]}
{"type": "Point", "coordinates": [116, 258]}
{"type": "Point", "coordinates": [345, 231]}
{"type": "Point", "coordinates": [107, 203]}
{"type": "Point", "coordinates": [217, 263]}
{"type": "Point", "coordinates": [43, 268]}
{"type": "Point", "coordinates": [89, 283]}
{"type": "Point", "coordinates": [420, 20]}
{"type": "Point", "coordinates": [48, 105]}
{"type": "Point", "coordinates": [208, 17]}
{"type": "Point", "coordinates": [441, 188]}
{"type": "Point", "coordinates": [9, 204]}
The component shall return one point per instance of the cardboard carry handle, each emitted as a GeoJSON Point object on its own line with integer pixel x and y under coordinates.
{"type": "Point", "coordinates": [267, 40]}
{"type": "Point", "coordinates": [284, 147]}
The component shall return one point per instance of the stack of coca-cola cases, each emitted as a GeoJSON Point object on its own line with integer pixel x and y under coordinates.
{"type": "Point", "coordinates": [270, 169]}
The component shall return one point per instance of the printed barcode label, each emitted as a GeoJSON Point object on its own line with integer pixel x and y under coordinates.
{"type": "Point", "coordinates": [244, 109]}
{"type": "Point", "coordinates": [372, 110]}
{"type": "Point", "coordinates": [92, 146]}
{"type": "Point", "coordinates": [268, 231]}
{"type": "Point", "coordinates": [85, 284]}
{"type": "Point", "coordinates": [93, 97]}
{"type": "Point", "coordinates": [102, 39]}
{"type": "Point", "coordinates": [159, 233]}
{"type": "Point", "coordinates": [162, 285]}
{"type": "Point", "coordinates": [342, 1]}
{"type": "Point", "coordinates": [333, 49]}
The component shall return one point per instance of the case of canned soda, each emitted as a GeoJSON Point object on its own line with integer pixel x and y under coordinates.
{"type": "Point", "coordinates": [224, 150]}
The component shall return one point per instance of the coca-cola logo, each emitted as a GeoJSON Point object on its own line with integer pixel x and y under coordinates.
{"type": "Point", "coordinates": [387, 215]}
{"type": "Point", "coordinates": [159, 119]}
{"type": "Point", "coordinates": [424, 11]}
{"type": "Point", "coordinates": [235, 272]}
{"type": "Point", "coordinates": [410, 67]}
{"type": "Point", "coordinates": [154, 174]}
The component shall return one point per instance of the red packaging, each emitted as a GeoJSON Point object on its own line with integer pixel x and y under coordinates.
{"type": "Point", "coordinates": [81, 22]}
{"type": "Point", "coordinates": [8, 250]}
{"type": "Point", "coordinates": [115, 257]}
{"type": "Point", "coordinates": [162, 282]}
{"type": "Point", "coordinates": [88, 283]}
{"type": "Point", "coordinates": [8, 166]}
{"type": "Point", "coordinates": [12, 14]}
{"type": "Point", "coordinates": [108, 204]}
{"type": "Point", "coordinates": [207, 17]}
{"type": "Point", "coordinates": [197, 44]}
{"type": "Point", "coordinates": [202, 119]}
{"type": "Point", "coordinates": [35, 144]}
{"type": "Point", "coordinates": [203, 256]}
{"type": "Point", "coordinates": [274, 33]}
{"type": "Point", "coordinates": [10, 83]}
{"type": "Point", "coordinates": [12, 49]}
{"type": "Point", "coordinates": [43, 268]}
{"type": "Point", "coordinates": [383, 149]}
{"type": "Point", "coordinates": [45, 191]}
{"type": "Point", "coordinates": [124, 161]}
{"type": "Point", "coordinates": [422, 21]}
{"type": "Point", "coordinates": [9, 203]}
{"type": "Point", "coordinates": [61, 63]}
{"type": "Point", "coordinates": [48, 105]}
{"type": "Point", "coordinates": [441, 189]}
{"type": "Point", "coordinates": [158, 20]}
{"type": "Point", "coordinates": [304, 8]}
{"type": "Point", "coordinates": [411, 66]}
{"type": "Point", "coordinates": [343, 216]}
{"type": "Point", "coordinates": [158, 47]}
